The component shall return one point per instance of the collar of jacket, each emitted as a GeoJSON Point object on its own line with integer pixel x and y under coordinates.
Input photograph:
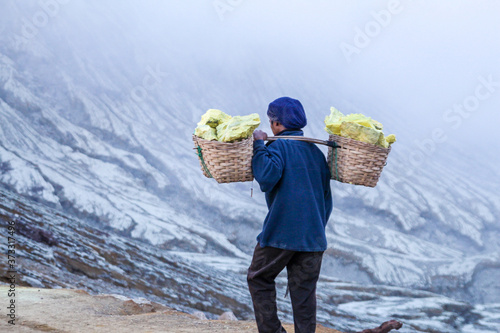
{"type": "Point", "coordinates": [294, 132]}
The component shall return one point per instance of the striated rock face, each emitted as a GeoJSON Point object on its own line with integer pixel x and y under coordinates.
{"type": "Point", "coordinates": [76, 311]}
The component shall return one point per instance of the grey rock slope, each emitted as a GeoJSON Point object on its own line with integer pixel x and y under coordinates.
{"type": "Point", "coordinates": [56, 250]}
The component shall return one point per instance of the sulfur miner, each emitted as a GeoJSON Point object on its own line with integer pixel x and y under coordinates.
{"type": "Point", "coordinates": [295, 178]}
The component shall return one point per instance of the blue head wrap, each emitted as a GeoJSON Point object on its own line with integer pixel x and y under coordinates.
{"type": "Point", "coordinates": [288, 111]}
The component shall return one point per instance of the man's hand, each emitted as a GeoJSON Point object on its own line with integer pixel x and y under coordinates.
{"type": "Point", "coordinates": [259, 135]}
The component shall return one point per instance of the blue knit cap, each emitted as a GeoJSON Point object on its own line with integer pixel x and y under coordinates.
{"type": "Point", "coordinates": [289, 112]}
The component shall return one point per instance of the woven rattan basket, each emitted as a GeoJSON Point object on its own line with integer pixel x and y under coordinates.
{"type": "Point", "coordinates": [356, 162]}
{"type": "Point", "coordinates": [225, 162]}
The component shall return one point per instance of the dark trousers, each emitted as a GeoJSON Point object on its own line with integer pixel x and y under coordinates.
{"type": "Point", "coordinates": [303, 272]}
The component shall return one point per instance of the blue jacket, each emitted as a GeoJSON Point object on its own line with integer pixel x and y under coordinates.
{"type": "Point", "coordinates": [296, 179]}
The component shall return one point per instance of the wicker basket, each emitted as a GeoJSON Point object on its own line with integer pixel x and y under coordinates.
{"type": "Point", "coordinates": [225, 162]}
{"type": "Point", "coordinates": [356, 162]}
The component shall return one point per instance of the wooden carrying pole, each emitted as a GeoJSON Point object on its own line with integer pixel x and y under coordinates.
{"type": "Point", "coordinates": [332, 144]}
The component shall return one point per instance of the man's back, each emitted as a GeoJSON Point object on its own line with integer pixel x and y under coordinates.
{"type": "Point", "coordinates": [295, 177]}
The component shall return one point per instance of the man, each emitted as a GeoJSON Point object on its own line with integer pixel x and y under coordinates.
{"type": "Point", "coordinates": [296, 180]}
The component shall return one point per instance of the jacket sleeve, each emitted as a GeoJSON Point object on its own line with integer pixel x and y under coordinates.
{"type": "Point", "coordinates": [267, 164]}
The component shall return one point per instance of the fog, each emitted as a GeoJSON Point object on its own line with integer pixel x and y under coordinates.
{"type": "Point", "coordinates": [427, 70]}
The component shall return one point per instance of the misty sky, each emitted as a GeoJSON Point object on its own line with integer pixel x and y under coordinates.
{"type": "Point", "coordinates": [417, 58]}
{"type": "Point", "coordinates": [421, 60]}
{"type": "Point", "coordinates": [428, 64]}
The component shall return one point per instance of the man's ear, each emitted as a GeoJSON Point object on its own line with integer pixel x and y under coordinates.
{"type": "Point", "coordinates": [277, 123]}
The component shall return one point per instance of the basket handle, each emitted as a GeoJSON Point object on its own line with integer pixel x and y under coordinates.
{"type": "Point", "coordinates": [332, 144]}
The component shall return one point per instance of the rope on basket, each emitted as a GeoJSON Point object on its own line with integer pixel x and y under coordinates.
{"type": "Point", "coordinates": [336, 169]}
{"type": "Point", "coordinates": [200, 155]}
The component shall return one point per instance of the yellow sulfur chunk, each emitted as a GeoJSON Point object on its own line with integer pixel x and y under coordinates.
{"type": "Point", "coordinates": [359, 119]}
{"type": "Point", "coordinates": [213, 118]}
{"type": "Point", "coordinates": [390, 139]}
{"type": "Point", "coordinates": [377, 125]}
{"type": "Point", "coordinates": [336, 118]}
{"type": "Point", "coordinates": [359, 132]}
{"type": "Point", "coordinates": [205, 132]}
{"type": "Point", "coordinates": [333, 121]}
{"type": "Point", "coordinates": [382, 142]}
{"type": "Point", "coordinates": [357, 126]}
{"type": "Point", "coordinates": [238, 128]}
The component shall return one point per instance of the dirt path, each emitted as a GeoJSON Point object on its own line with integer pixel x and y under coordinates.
{"type": "Point", "coordinates": [67, 310]}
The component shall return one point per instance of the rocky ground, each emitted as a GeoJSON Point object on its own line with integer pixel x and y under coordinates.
{"type": "Point", "coordinates": [68, 310]}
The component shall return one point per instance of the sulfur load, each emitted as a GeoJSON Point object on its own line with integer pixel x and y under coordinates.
{"type": "Point", "coordinates": [357, 126]}
{"type": "Point", "coordinates": [237, 128]}
{"type": "Point", "coordinates": [213, 118]}
{"type": "Point", "coordinates": [359, 132]}
{"type": "Point", "coordinates": [217, 125]}
{"type": "Point", "coordinates": [206, 132]}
